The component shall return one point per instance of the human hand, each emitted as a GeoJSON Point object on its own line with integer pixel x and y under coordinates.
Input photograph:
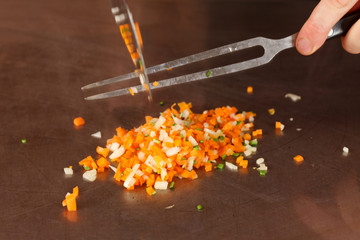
{"type": "Point", "coordinates": [315, 30]}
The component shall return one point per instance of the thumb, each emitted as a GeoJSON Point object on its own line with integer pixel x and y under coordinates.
{"type": "Point", "coordinates": [315, 30]}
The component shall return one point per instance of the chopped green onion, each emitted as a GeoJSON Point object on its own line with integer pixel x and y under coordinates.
{"type": "Point", "coordinates": [181, 135]}
{"type": "Point", "coordinates": [172, 184]}
{"type": "Point", "coordinates": [154, 192]}
{"type": "Point", "coordinates": [201, 141]}
{"type": "Point", "coordinates": [254, 142]}
{"type": "Point", "coordinates": [23, 140]}
{"type": "Point", "coordinates": [199, 129]}
{"type": "Point", "coordinates": [262, 173]}
{"type": "Point", "coordinates": [138, 149]}
{"type": "Point", "coordinates": [153, 123]}
{"type": "Point", "coordinates": [161, 103]}
{"type": "Point", "coordinates": [199, 207]}
{"type": "Point", "coordinates": [146, 135]}
{"type": "Point", "coordinates": [223, 156]}
{"type": "Point", "coordinates": [216, 139]}
{"type": "Point", "coordinates": [140, 62]}
{"type": "Point", "coordinates": [86, 168]}
{"type": "Point", "coordinates": [222, 137]}
{"type": "Point", "coordinates": [208, 73]}
{"type": "Point", "coordinates": [183, 158]}
{"type": "Point", "coordinates": [238, 122]}
{"type": "Point", "coordinates": [125, 30]}
{"type": "Point", "coordinates": [156, 140]}
{"type": "Point", "coordinates": [217, 125]}
{"type": "Point", "coordinates": [236, 154]}
{"type": "Point", "coordinates": [220, 166]}
{"type": "Point", "coordinates": [197, 148]}
{"type": "Point", "coordinates": [194, 162]}
{"type": "Point", "coordinates": [174, 124]}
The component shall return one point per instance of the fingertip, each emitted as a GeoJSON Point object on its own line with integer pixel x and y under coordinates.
{"type": "Point", "coordinates": [304, 46]}
{"type": "Point", "coordinates": [351, 42]}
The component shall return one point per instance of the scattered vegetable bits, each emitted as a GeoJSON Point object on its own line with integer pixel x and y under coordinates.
{"type": "Point", "coordinates": [175, 144]}
{"type": "Point", "coordinates": [23, 140]}
{"type": "Point", "coordinates": [279, 126]}
{"type": "Point", "coordinates": [298, 159]}
{"type": "Point", "coordinates": [199, 207]}
{"type": "Point", "coordinates": [79, 121]}
{"type": "Point", "coordinates": [70, 199]}
{"type": "Point", "coordinates": [271, 111]}
{"type": "Point", "coordinates": [249, 90]}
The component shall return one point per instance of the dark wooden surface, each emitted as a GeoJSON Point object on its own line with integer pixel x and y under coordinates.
{"type": "Point", "coordinates": [49, 49]}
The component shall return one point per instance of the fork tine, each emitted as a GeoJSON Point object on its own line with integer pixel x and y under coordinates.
{"type": "Point", "coordinates": [232, 68]}
{"type": "Point", "coordinates": [233, 47]}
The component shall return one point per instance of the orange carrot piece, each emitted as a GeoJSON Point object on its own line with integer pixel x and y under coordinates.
{"type": "Point", "coordinates": [70, 200]}
{"type": "Point", "coordinates": [249, 89]}
{"type": "Point", "coordinates": [79, 121]}
{"type": "Point", "coordinates": [150, 191]}
{"type": "Point", "coordinates": [299, 158]}
{"type": "Point", "coordinates": [244, 163]}
{"type": "Point", "coordinates": [247, 136]}
{"type": "Point", "coordinates": [208, 167]}
{"type": "Point", "coordinates": [155, 84]}
{"type": "Point", "coordinates": [278, 125]}
{"type": "Point", "coordinates": [102, 151]}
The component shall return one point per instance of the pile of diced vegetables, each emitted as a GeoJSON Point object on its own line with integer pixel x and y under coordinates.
{"type": "Point", "coordinates": [177, 144]}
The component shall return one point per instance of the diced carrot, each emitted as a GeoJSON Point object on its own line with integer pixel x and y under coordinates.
{"type": "Point", "coordinates": [131, 91]}
{"type": "Point", "coordinates": [298, 158]}
{"type": "Point", "coordinates": [79, 121]}
{"type": "Point", "coordinates": [150, 191]}
{"type": "Point", "coordinates": [208, 167]}
{"type": "Point", "coordinates": [70, 200]}
{"type": "Point", "coordinates": [247, 136]}
{"type": "Point", "coordinates": [102, 163]}
{"type": "Point", "coordinates": [155, 84]}
{"type": "Point", "coordinates": [244, 163]}
{"type": "Point", "coordinates": [102, 151]}
{"type": "Point", "coordinates": [278, 125]}
{"type": "Point", "coordinates": [249, 89]}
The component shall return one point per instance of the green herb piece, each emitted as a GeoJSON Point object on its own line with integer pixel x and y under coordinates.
{"type": "Point", "coordinates": [183, 158]}
{"type": "Point", "coordinates": [199, 207]}
{"type": "Point", "coordinates": [125, 30]}
{"type": "Point", "coordinates": [197, 148]}
{"type": "Point", "coordinates": [156, 140]}
{"type": "Point", "coordinates": [140, 62]}
{"type": "Point", "coordinates": [201, 141]}
{"type": "Point", "coordinates": [181, 135]}
{"type": "Point", "coordinates": [238, 122]}
{"type": "Point", "coordinates": [220, 166]}
{"type": "Point", "coordinates": [153, 193]}
{"type": "Point", "coordinates": [199, 129]}
{"type": "Point", "coordinates": [146, 135]}
{"type": "Point", "coordinates": [217, 125]}
{"type": "Point", "coordinates": [262, 173]}
{"type": "Point", "coordinates": [194, 162]}
{"type": "Point", "coordinates": [153, 123]}
{"type": "Point", "coordinates": [86, 168]}
{"type": "Point", "coordinates": [161, 103]}
{"type": "Point", "coordinates": [223, 156]}
{"type": "Point", "coordinates": [174, 124]}
{"type": "Point", "coordinates": [222, 137]}
{"type": "Point", "coordinates": [236, 154]}
{"type": "Point", "coordinates": [138, 149]}
{"type": "Point", "coordinates": [23, 140]}
{"type": "Point", "coordinates": [254, 142]}
{"type": "Point", "coordinates": [216, 139]}
{"type": "Point", "coordinates": [208, 73]}
{"type": "Point", "coordinates": [172, 184]}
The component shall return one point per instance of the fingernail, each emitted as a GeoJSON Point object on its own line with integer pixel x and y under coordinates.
{"type": "Point", "coordinates": [304, 46]}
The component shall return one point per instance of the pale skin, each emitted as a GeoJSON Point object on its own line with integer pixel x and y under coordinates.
{"type": "Point", "coordinates": [324, 16]}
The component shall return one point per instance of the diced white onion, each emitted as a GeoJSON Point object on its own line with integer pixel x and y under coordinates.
{"type": "Point", "coordinates": [260, 161]}
{"type": "Point", "coordinates": [247, 153]}
{"type": "Point", "coordinates": [193, 141]}
{"type": "Point", "coordinates": [262, 167]}
{"type": "Point", "coordinates": [159, 122]}
{"type": "Point", "coordinates": [96, 135]}
{"type": "Point", "coordinates": [185, 114]}
{"type": "Point", "coordinates": [117, 153]}
{"type": "Point", "coordinates": [163, 173]}
{"type": "Point", "coordinates": [161, 185]}
{"type": "Point", "coordinates": [113, 168]}
{"type": "Point", "coordinates": [190, 163]}
{"type": "Point", "coordinates": [345, 149]}
{"type": "Point", "coordinates": [218, 119]}
{"type": "Point", "coordinates": [231, 166]}
{"type": "Point", "coordinates": [139, 173]}
{"type": "Point", "coordinates": [282, 127]}
{"type": "Point", "coordinates": [293, 97]}
{"type": "Point", "coordinates": [68, 171]}
{"type": "Point", "coordinates": [112, 147]}
{"type": "Point", "coordinates": [90, 175]}
{"type": "Point", "coordinates": [152, 134]}
{"type": "Point", "coordinates": [150, 161]}
{"type": "Point", "coordinates": [251, 119]}
{"type": "Point", "coordinates": [172, 151]}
